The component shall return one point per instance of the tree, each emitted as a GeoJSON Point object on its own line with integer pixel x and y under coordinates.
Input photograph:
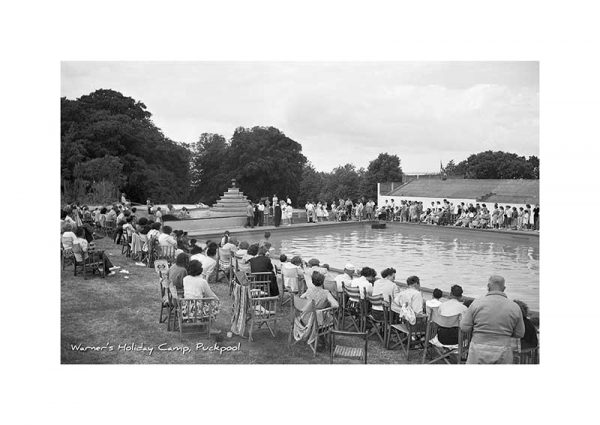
{"type": "Point", "coordinates": [343, 182]}
{"type": "Point", "coordinates": [495, 165]}
{"type": "Point", "coordinates": [105, 125]}
{"type": "Point", "coordinates": [210, 167]}
{"type": "Point", "coordinates": [312, 187]}
{"type": "Point", "coordinates": [265, 162]}
{"type": "Point", "coordinates": [384, 168]}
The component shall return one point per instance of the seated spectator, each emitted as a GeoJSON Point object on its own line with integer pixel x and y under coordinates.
{"type": "Point", "coordinates": [386, 287]}
{"type": "Point", "coordinates": [165, 238]}
{"type": "Point", "coordinates": [265, 240]}
{"type": "Point", "coordinates": [128, 228]}
{"type": "Point", "coordinates": [154, 230]}
{"type": "Point", "coordinates": [230, 246]}
{"type": "Point", "coordinates": [195, 286]}
{"type": "Point", "coordinates": [242, 249]}
{"type": "Point", "coordinates": [177, 272]}
{"type": "Point", "coordinates": [225, 238]}
{"type": "Point", "coordinates": [314, 265]}
{"type": "Point", "coordinates": [530, 339]}
{"type": "Point", "coordinates": [410, 297]}
{"type": "Point", "coordinates": [346, 277]}
{"type": "Point", "coordinates": [68, 237]}
{"type": "Point", "coordinates": [90, 252]}
{"type": "Point", "coordinates": [244, 263]}
{"type": "Point", "coordinates": [292, 273]}
{"type": "Point", "coordinates": [447, 331]}
{"type": "Point", "coordinates": [262, 264]}
{"type": "Point", "coordinates": [209, 263]}
{"type": "Point", "coordinates": [321, 298]}
{"type": "Point", "coordinates": [435, 302]}
{"type": "Point", "coordinates": [365, 281]}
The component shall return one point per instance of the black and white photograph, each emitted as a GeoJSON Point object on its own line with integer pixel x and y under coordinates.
{"type": "Point", "coordinates": [300, 212]}
{"type": "Point", "coordinates": [314, 212]}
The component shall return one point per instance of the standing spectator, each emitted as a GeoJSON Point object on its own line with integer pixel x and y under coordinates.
{"type": "Point", "coordinates": [261, 213]}
{"type": "Point", "coordinates": [256, 215]}
{"type": "Point", "coordinates": [158, 216]}
{"type": "Point", "coordinates": [494, 320]}
{"type": "Point", "coordinates": [536, 217]}
{"type": "Point", "coordinates": [249, 215]}
{"type": "Point", "coordinates": [276, 213]}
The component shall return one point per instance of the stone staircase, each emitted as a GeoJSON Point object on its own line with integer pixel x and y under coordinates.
{"type": "Point", "coordinates": [233, 202]}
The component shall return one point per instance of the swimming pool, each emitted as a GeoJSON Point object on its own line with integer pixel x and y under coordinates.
{"type": "Point", "coordinates": [440, 257]}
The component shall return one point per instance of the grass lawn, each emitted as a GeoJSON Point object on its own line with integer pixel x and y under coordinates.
{"type": "Point", "coordinates": [123, 311]}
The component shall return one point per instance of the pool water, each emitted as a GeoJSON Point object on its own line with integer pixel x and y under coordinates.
{"type": "Point", "coordinates": [440, 257]}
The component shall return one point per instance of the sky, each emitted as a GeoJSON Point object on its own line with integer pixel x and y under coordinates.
{"type": "Point", "coordinates": [340, 112]}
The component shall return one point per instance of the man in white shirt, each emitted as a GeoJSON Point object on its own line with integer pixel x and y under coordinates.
{"type": "Point", "coordinates": [165, 238]}
{"type": "Point", "coordinates": [454, 305]}
{"type": "Point", "coordinates": [385, 286]}
{"type": "Point", "coordinates": [261, 213]}
{"type": "Point", "coordinates": [346, 277]}
{"type": "Point", "coordinates": [365, 282]}
{"type": "Point", "coordinates": [208, 263]}
{"type": "Point", "coordinates": [411, 296]}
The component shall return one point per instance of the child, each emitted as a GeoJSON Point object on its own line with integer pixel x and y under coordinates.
{"type": "Point", "coordinates": [435, 302]}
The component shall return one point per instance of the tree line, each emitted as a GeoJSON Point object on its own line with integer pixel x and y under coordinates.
{"type": "Point", "coordinates": [110, 144]}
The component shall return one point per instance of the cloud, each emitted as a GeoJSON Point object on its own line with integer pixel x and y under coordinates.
{"type": "Point", "coordinates": [340, 112]}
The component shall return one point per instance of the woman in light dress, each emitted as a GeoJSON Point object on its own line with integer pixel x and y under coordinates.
{"type": "Point", "coordinates": [319, 211]}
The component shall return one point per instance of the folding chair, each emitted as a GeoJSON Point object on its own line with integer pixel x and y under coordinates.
{"type": "Point", "coordinates": [193, 313]}
{"type": "Point", "coordinates": [408, 336]}
{"type": "Point", "coordinates": [302, 312]}
{"type": "Point", "coordinates": [345, 351]}
{"type": "Point", "coordinates": [432, 343]}
{"type": "Point", "coordinates": [161, 267]}
{"type": "Point", "coordinates": [110, 228]}
{"type": "Point", "coordinates": [152, 253]}
{"type": "Point", "coordinates": [526, 355]}
{"type": "Point", "coordinates": [126, 245]}
{"type": "Point", "coordinates": [290, 284]}
{"type": "Point", "coordinates": [93, 263]}
{"type": "Point", "coordinates": [352, 308]}
{"type": "Point", "coordinates": [376, 319]}
{"type": "Point", "coordinates": [66, 257]}
{"type": "Point", "coordinates": [225, 264]}
{"type": "Point", "coordinates": [263, 307]}
{"type": "Point", "coordinates": [166, 253]}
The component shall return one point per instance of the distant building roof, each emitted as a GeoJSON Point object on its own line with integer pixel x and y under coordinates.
{"type": "Point", "coordinates": [486, 190]}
